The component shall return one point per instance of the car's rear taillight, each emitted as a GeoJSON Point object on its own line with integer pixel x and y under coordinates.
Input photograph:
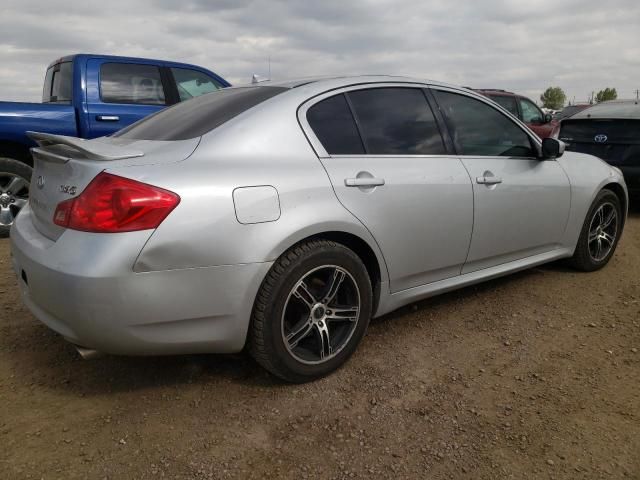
{"type": "Point", "coordinates": [113, 204]}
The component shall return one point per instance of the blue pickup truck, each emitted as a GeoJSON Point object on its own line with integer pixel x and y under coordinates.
{"type": "Point", "coordinates": [88, 96]}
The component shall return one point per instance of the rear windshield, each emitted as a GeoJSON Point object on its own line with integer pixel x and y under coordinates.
{"type": "Point", "coordinates": [200, 115]}
{"type": "Point", "coordinates": [58, 83]}
{"type": "Point", "coordinates": [608, 131]}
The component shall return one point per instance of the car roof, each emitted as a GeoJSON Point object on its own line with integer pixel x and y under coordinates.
{"type": "Point", "coordinates": [317, 85]}
{"type": "Point", "coordinates": [613, 109]}
{"type": "Point", "coordinates": [496, 91]}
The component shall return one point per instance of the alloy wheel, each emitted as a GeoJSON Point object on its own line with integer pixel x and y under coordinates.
{"type": "Point", "coordinates": [603, 231]}
{"type": "Point", "coordinates": [14, 194]}
{"type": "Point", "coordinates": [321, 314]}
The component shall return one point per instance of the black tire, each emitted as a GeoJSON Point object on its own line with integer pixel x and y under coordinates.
{"type": "Point", "coordinates": [11, 168]}
{"type": "Point", "coordinates": [266, 340]}
{"type": "Point", "coordinates": [583, 259]}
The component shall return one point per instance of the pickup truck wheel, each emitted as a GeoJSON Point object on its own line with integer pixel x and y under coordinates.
{"type": "Point", "coordinates": [15, 178]}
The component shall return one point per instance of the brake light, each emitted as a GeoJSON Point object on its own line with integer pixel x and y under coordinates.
{"type": "Point", "coordinates": [113, 204]}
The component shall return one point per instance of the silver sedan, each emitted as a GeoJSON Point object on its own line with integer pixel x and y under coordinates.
{"type": "Point", "coordinates": [284, 216]}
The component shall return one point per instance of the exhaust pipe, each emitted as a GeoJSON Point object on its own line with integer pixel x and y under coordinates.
{"type": "Point", "coordinates": [88, 353]}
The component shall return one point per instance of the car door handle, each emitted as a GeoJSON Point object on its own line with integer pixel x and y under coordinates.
{"type": "Point", "coordinates": [107, 118]}
{"type": "Point", "coordinates": [488, 180]}
{"type": "Point", "coordinates": [364, 182]}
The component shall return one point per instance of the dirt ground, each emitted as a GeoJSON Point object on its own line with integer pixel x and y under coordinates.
{"type": "Point", "coordinates": [536, 375]}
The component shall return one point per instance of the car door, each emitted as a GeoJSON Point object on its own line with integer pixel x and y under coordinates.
{"type": "Point", "coordinates": [389, 166]}
{"type": "Point", "coordinates": [521, 202]}
{"type": "Point", "coordinates": [120, 93]}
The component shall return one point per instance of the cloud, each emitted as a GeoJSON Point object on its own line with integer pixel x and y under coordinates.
{"type": "Point", "coordinates": [579, 45]}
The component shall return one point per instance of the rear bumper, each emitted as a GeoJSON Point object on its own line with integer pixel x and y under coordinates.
{"type": "Point", "coordinates": [83, 287]}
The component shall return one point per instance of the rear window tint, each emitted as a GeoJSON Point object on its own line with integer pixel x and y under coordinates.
{"type": "Point", "coordinates": [199, 115]}
{"type": "Point", "coordinates": [333, 124]}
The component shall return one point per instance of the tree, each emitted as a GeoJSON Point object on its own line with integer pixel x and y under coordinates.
{"type": "Point", "coordinates": [606, 94]}
{"type": "Point", "coordinates": [553, 98]}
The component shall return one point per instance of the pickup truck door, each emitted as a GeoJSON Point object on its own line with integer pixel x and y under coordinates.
{"type": "Point", "coordinates": [121, 93]}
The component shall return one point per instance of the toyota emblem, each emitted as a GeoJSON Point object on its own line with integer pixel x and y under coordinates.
{"type": "Point", "coordinates": [600, 138]}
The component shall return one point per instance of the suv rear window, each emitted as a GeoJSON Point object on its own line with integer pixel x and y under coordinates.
{"type": "Point", "coordinates": [199, 115]}
{"type": "Point", "coordinates": [58, 83]}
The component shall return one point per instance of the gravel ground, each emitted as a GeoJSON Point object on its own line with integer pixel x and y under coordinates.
{"type": "Point", "coordinates": [536, 375]}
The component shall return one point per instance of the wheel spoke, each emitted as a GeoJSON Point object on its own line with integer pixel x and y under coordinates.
{"type": "Point", "coordinates": [6, 216]}
{"type": "Point", "coordinates": [300, 333]}
{"type": "Point", "coordinates": [16, 185]}
{"type": "Point", "coordinates": [599, 248]}
{"type": "Point", "coordinates": [302, 293]}
{"type": "Point", "coordinates": [593, 236]}
{"type": "Point", "coordinates": [344, 314]}
{"type": "Point", "coordinates": [609, 219]}
{"type": "Point", "coordinates": [334, 286]}
{"type": "Point", "coordinates": [20, 202]}
{"type": "Point", "coordinates": [324, 340]}
{"type": "Point", "coordinates": [607, 238]}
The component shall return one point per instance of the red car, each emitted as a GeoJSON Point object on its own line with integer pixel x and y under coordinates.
{"type": "Point", "coordinates": [541, 123]}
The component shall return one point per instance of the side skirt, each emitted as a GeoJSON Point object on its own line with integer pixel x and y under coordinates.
{"type": "Point", "coordinates": [396, 300]}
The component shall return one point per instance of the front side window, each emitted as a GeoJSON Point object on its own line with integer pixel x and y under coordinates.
{"type": "Point", "coordinates": [191, 83]}
{"type": "Point", "coordinates": [508, 103]}
{"type": "Point", "coordinates": [333, 124]}
{"type": "Point", "coordinates": [131, 83]}
{"type": "Point", "coordinates": [396, 121]}
{"type": "Point", "coordinates": [530, 112]}
{"type": "Point", "coordinates": [58, 84]}
{"type": "Point", "coordinates": [480, 130]}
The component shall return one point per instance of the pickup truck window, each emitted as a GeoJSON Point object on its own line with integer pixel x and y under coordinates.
{"type": "Point", "coordinates": [196, 117]}
{"type": "Point", "coordinates": [58, 83]}
{"type": "Point", "coordinates": [191, 83]}
{"type": "Point", "coordinates": [131, 83]}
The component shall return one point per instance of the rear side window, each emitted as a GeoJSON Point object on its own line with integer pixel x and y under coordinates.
{"type": "Point", "coordinates": [200, 115]}
{"type": "Point", "coordinates": [191, 83]}
{"type": "Point", "coordinates": [58, 84]}
{"type": "Point", "coordinates": [396, 121]}
{"type": "Point", "coordinates": [480, 130]}
{"type": "Point", "coordinates": [131, 83]}
{"type": "Point", "coordinates": [333, 124]}
{"type": "Point", "coordinates": [508, 103]}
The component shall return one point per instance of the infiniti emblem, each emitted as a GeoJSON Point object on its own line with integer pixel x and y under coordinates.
{"type": "Point", "coordinates": [600, 138]}
{"type": "Point", "coordinates": [40, 182]}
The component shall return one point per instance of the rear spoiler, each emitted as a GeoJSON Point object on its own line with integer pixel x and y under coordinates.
{"type": "Point", "coordinates": [93, 150]}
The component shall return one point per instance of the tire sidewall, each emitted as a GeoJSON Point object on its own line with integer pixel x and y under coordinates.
{"type": "Point", "coordinates": [339, 256]}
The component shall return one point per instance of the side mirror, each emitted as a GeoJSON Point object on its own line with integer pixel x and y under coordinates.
{"type": "Point", "coordinates": [547, 117]}
{"type": "Point", "coordinates": [552, 148]}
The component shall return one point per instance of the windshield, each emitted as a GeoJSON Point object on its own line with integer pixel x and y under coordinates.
{"type": "Point", "coordinates": [199, 115]}
{"type": "Point", "coordinates": [58, 83]}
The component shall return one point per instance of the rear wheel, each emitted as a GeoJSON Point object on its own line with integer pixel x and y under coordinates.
{"type": "Point", "coordinates": [311, 312]}
{"type": "Point", "coordinates": [15, 177]}
{"type": "Point", "coordinates": [600, 233]}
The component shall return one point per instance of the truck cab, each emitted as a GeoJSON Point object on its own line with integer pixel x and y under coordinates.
{"type": "Point", "coordinates": [89, 96]}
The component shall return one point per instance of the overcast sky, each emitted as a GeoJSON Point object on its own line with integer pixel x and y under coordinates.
{"type": "Point", "coordinates": [524, 46]}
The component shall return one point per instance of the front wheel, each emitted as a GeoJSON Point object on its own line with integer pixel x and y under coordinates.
{"type": "Point", "coordinates": [311, 312]}
{"type": "Point", "coordinates": [600, 233]}
{"type": "Point", "coordinates": [15, 177]}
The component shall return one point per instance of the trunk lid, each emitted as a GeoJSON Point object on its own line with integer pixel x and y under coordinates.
{"type": "Point", "coordinates": [616, 141]}
{"type": "Point", "coordinates": [64, 166]}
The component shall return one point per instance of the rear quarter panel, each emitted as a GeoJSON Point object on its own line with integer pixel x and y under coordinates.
{"type": "Point", "coordinates": [18, 118]}
{"type": "Point", "coordinates": [266, 147]}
